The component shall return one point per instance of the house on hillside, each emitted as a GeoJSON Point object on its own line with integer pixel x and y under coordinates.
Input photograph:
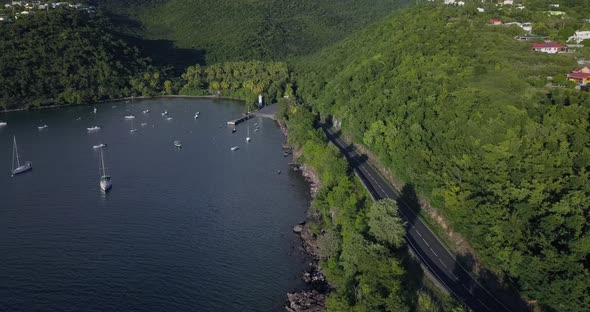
{"type": "Point", "coordinates": [580, 75]}
{"type": "Point", "coordinates": [549, 47]}
{"type": "Point", "coordinates": [526, 26]}
{"type": "Point", "coordinates": [495, 21]}
{"type": "Point", "coordinates": [579, 36]}
{"type": "Point", "coordinates": [508, 2]}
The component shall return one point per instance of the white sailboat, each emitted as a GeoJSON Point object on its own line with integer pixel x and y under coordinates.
{"type": "Point", "coordinates": [16, 166]}
{"type": "Point", "coordinates": [248, 137]}
{"type": "Point", "coordinates": [105, 179]}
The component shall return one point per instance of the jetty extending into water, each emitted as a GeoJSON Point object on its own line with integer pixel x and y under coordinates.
{"type": "Point", "coordinates": [236, 121]}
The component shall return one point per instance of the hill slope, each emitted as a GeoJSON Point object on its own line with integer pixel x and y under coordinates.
{"type": "Point", "coordinates": [460, 109]}
{"type": "Point", "coordinates": [64, 57]}
{"type": "Point", "coordinates": [247, 29]}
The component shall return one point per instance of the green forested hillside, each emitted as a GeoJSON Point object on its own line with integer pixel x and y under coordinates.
{"type": "Point", "coordinates": [245, 30]}
{"type": "Point", "coordinates": [461, 110]}
{"type": "Point", "coordinates": [64, 57]}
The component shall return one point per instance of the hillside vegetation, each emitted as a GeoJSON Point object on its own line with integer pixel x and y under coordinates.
{"type": "Point", "coordinates": [68, 57]}
{"type": "Point", "coordinates": [462, 111]}
{"type": "Point", "coordinates": [247, 30]}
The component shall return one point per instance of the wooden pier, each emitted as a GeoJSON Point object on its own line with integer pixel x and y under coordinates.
{"type": "Point", "coordinates": [234, 122]}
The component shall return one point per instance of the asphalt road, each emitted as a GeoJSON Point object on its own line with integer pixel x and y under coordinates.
{"type": "Point", "coordinates": [428, 248]}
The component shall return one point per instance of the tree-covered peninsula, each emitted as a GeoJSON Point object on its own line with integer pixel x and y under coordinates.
{"type": "Point", "coordinates": [66, 56]}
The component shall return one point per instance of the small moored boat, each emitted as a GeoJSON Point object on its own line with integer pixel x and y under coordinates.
{"type": "Point", "coordinates": [234, 148]}
{"type": "Point", "coordinates": [94, 128]}
{"type": "Point", "coordinates": [177, 144]}
{"type": "Point", "coordinates": [169, 118]}
{"type": "Point", "coordinates": [42, 127]}
{"type": "Point", "coordinates": [3, 123]}
{"type": "Point", "coordinates": [146, 111]}
{"type": "Point", "coordinates": [99, 146]}
{"type": "Point", "coordinates": [16, 165]}
{"type": "Point", "coordinates": [105, 179]}
{"type": "Point", "coordinates": [165, 113]}
{"type": "Point", "coordinates": [143, 124]}
{"type": "Point", "coordinates": [234, 130]}
{"type": "Point", "coordinates": [129, 117]}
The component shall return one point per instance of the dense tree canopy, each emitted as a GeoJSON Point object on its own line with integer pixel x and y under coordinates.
{"type": "Point", "coordinates": [230, 30]}
{"type": "Point", "coordinates": [463, 111]}
{"type": "Point", "coordinates": [243, 80]}
{"type": "Point", "coordinates": [64, 56]}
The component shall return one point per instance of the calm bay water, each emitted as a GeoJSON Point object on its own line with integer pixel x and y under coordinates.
{"type": "Point", "coordinates": [196, 229]}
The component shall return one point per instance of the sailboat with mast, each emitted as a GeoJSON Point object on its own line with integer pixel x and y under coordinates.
{"type": "Point", "coordinates": [16, 165]}
{"type": "Point", "coordinates": [248, 137]}
{"type": "Point", "coordinates": [105, 179]}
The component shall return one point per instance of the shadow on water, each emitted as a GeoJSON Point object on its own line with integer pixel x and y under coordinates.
{"type": "Point", "coordinates": [162, 52]}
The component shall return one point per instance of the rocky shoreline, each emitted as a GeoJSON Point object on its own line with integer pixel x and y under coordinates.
{"type": "Point", "coordinates": [313, 298]}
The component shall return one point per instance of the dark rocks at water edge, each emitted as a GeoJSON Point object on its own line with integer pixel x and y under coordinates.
{"type": "Point", "coordinates": [309, 301]}
{"type": "Point", "coordinates": [314, 299]}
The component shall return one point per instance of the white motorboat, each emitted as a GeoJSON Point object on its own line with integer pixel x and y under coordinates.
{"type": "Point", "coordinates": [165, 113]}
{"type": "Point", "coordinates": [105, 179]}
{"type": "Point", "coordinates": [99, 146]}
{"type": "Point", "coordinates": [177, 144]}
{"type": "Point", "coordinates": [94, 128]}
{"type": "Point", "coordinates": [129, 117]}
{"type": "Point", "coordinates": [146, 111]}
{"type": "Point", "coordinates": [132, 130]}
{"type": "Point", "coordinates": [169, 118]}
{"type": "Point", "coordinates": [143, 124]}
{"type": "Point", "coordinates": [197, 116]}
{"type": "Point", "coordinates": [234, 130]}
{"type": "Point", "coordinates": [3, 123]}
{"type": "Point", "coordinates": [94, 110]}
{"type": "Point", "coordinates": [234, 148]}
{"type": "Point", "coordinates": [42, 127]}
{"type": "Point", "coordinates": [16, 165]}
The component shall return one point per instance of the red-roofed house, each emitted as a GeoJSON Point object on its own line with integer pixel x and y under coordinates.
{"type": "Point", "coordinates": [549, 47]}
{"type": "Point", "coordinates": [580, 75]}
{"type": "Point", "coordinates": [495, 21]}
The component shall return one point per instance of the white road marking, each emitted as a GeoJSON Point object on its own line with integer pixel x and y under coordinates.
{"type": "Point", "coordinates": [469, 290]}
{"type": "Point", "coordinates": [483, 304]}
{"type": "Point", "coordinates": [434, 252]}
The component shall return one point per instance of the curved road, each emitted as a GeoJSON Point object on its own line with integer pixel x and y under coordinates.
{"type": "Point", "coordinates": [440, 262]}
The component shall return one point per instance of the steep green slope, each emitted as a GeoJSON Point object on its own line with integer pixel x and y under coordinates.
{"type": "Point", "coordinates": [461, 110]}
{"type": "Point", "coordinates": [64, 57]}
{"type": "Point", "coordinates": [248, 29]}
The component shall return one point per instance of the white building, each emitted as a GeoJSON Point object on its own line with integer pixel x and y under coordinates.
{"type": "Point", "coordinates": [481, 10]}
{"type": "Point", "coordinates": [508, 2]}
{"type": "Point", "coordinates": [580, 36]}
